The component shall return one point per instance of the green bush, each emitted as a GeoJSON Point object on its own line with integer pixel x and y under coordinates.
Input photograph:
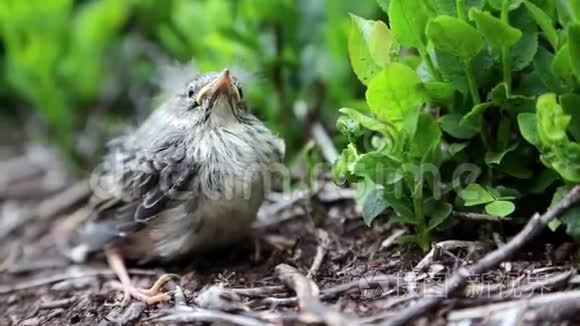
{"type": "Point", "coordinates": [479, 112]}
{"type": "Point", "coordinates": [54, 54]}
{"type": "Point", "coordinates": [64, 57]}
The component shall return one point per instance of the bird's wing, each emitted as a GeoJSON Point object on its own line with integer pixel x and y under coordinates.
{"type": "Point", "coordinates": [134, 184]}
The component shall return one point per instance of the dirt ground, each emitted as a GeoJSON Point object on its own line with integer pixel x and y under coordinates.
{"type": "Point", "coordinates": [362, 275]}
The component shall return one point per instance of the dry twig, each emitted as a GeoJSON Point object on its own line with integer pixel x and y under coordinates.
{"type": "Point", "coordinates": [392, 238]}
{"type": "Point", "coordinates": [52, 206]}
{"type": "Point", "coordinates": [6, 289]}
{"type": "Point", "coordinates": [552, 307]}
{"type": "Point", "coordinates": [307, 293]}
{"type": "Point", "coordinates": [259, 291]}
{"type": "Point", "coordinates": [476, 217]}
{"type": "Point", "coordinates": [458, 280]}
{"type": "Point", "coordinates": [445, 245]}
{"type": "Point", "coordinates": [323, 244]}
{"type": "Point", "coordinates": [204, 315]}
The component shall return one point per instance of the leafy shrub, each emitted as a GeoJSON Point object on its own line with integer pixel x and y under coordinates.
{"type": "Point", "coordinates": [54, 54]}
{"type": "Point", "coordinates": [473, 106]}
{"type": "Point", "coordinates": [64, 57]}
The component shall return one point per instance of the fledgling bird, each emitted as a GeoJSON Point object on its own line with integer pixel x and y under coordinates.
{"type": "Point", "coordinates": [190, 178]}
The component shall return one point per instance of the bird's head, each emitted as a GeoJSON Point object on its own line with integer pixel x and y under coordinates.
{"type": "Point", "coordinates": [213, 98]}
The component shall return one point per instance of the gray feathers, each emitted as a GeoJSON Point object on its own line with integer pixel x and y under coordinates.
{"type": "Point", "coordinates": [181, 182]}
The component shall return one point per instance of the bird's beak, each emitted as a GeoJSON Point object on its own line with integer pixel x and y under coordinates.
{"type": "Point", "coordinates": [224, 85]}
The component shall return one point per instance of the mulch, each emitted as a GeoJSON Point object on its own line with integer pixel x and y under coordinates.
{"type": "Point", "coordinates": [337, 271]}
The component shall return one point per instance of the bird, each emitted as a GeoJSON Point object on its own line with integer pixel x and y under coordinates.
{"type": "Point", "coordinates": [190, 178]}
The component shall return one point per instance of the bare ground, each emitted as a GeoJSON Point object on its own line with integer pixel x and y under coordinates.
{"type": "Point", "coordinates": [339, 272]}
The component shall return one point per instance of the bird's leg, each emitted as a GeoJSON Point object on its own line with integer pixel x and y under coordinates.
{"type": "Point", "coordinates": [149, 296]}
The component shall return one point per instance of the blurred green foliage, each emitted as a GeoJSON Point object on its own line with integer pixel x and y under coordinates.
{"type": "Point", "coordinates": [66, 59]}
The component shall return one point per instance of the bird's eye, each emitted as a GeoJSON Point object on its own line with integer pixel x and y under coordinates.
{"type": "Point", "coordinates": [190, 93]}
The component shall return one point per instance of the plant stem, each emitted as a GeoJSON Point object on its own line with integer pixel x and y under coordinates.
{"type": "Point", "coordinates": [506, 66]}
{"type": "Point", "coordinates": [427, 59]}
{"type": "Point", "coordinates": [423, 234]}
{"type": "Point", "coordinates": [460, 4]}
{"type": "Point", "coordinates": [415, 188]}
{"type": "Point", "coordinates": [473, 89]}
{"type": "Point", "coordinates": [506, 50]}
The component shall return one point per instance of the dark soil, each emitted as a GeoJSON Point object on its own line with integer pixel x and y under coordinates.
{"type": "Point", "coordinates": [40, 287]}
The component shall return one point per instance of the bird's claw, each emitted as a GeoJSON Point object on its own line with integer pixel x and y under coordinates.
{"type": "Point", "coordinates": [149, 296]}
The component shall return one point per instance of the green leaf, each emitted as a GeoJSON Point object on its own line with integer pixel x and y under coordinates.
{"type": "Point", "coordinates": [564, 158]}
{"type": "Point", "coordinates": [438, 92]}
{"type": "Point", "coordinates": [453, 35]}
{"type": "Point", "coordinates": [342, 167]}
{"type": "Point", "coordinates": [545, 179]}
{"type": "Point", "coordinates": [500, 208]}
{"type": "Point", "coordinates": [497, 157]}
{"type": "Point", "coordinates": [369, 47]}
{"type": "Point", "coordinates": [384, 4]}
{"type": "Point", "coordinates": [562, 64]}
{"type": "Point", "coordinates": [408, 19]}
{"type": "Point", "coordinates": [574, 43]}
{"type": "Point", "coordinates": [571, 217]}
{"type": "Point", "coordinates": [543, 64]}
{"type": "Point", "coordinates": [450, 123]}
{"type": "Point", "coordinates": [551, 120]}
{"type": "Point", "coordinates": [474, 194]}
{"type": "Point", "coordinates": [527, 123]}
{"type": "Point", "coordinates": [437, 211]}
{"type": "Point", "coordinates": [451, 71]}
{"type": "Point", "coordinates": [368, 122]}
{"type": "Point", "coordinates": [473, 116]}
{"type": "Point", "coordinates": [565, 16]}
{"type": "Point", "coordinates": [456, 148]}
{"type": "Point", "coordinates": [408, 239]}
{"type": "Point", "coordinates": [348, 127]}
{"type": "Point", "coordinates": [393, 92]}
{"type": "Point", "coordinates": [519, 164]}
{"type": "Point", "coordinates": [428, 137]}
{"type": "Point", "coordinates": [545, 23]}
{"type": "Point", "coordinates": [504, 193]}
{"type": "Point", "coordinates": [400, 205]}
{"type": "Point", "coordinates": [571, 106]}
{"type": "Point", "coordinates": [498, 33]}
{"type": "Point", "coordinates": [373, 205]}
{"type": "Point", "coordinates": [557, 152]}
{"type": "Point", "coordinates": [554, 224]}
{"type": "Point", "coordinates": [410, 122]}
{"type": "Point", "coordinates": [449, 7]}
{"type": "Point", "coordinates": [497, 4]}
{"type": "Point", "coordinates": [379, 168]}
{"type": "Point", "coordinates": [524, 51]}
{"type": "Point", "coordinates": [575, 8]}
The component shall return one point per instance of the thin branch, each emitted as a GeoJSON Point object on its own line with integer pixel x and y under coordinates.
{"type": "Point", "coordinates": [544, 308]}
{"type": "Point", "coordinates": [323, 244]}
{"type": "Point", "coordinates": [204, 315]}
{"type": "Point", "coordinates": [379, 281]}
{"type": "Point", "coordinates": [382, 281]}
{"type": "Point", "coordinates": [476, 217]}
{"type": "Point", "coordinates": [433, 254]}
{"type": "Point", "coordinates": [52, 206]}
{"type": "Point", "coordinates": [392, 238]}
{"type": "Point", "coordinates": [6, 289]}
{"type": "Point", "coordinates": [308, 297]}
{"type": "Point", "coordinates": [259, 291]}
{"type": "Point", "coordinates": [458, 280]}
{"type": "Point", "coordinates": [63, 303]}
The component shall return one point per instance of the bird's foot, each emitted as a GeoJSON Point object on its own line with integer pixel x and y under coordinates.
{"type": "Point", "coordinates": [149, 296]}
